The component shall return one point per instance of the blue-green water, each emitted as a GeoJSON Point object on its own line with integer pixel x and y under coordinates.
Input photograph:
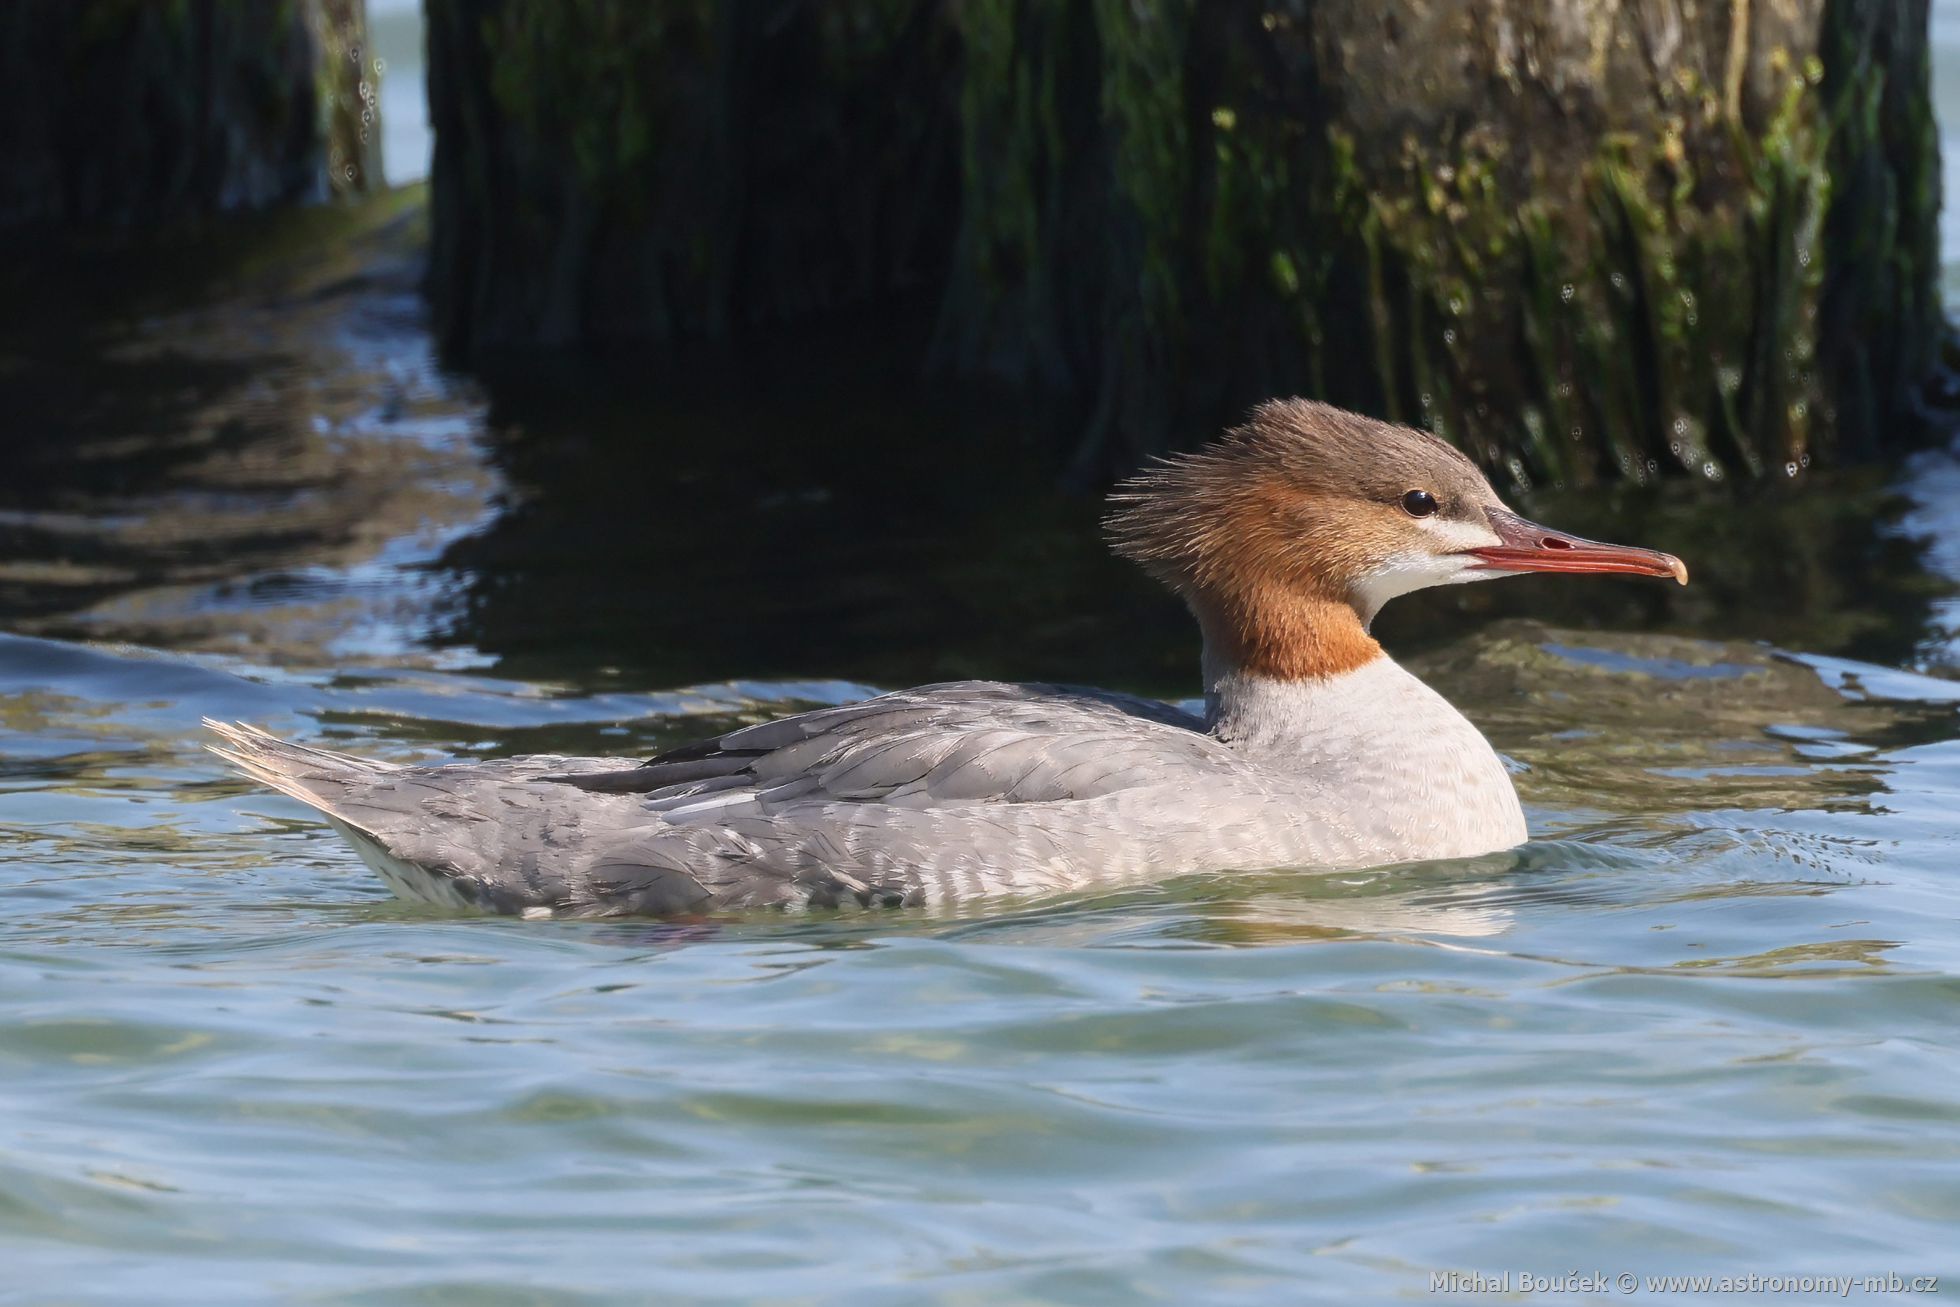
{"type": "Point", "coordinates": [1708, 1022]}
{"type": "Point", "coordinates": [1705, 1023]}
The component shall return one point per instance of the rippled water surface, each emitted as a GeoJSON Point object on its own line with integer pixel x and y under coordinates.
{"type": "Point", "coordinates": [1705, 1022]}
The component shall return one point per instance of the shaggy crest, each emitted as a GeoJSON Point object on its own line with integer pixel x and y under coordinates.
{"type": "Point", "coordinates": [1303, 490]}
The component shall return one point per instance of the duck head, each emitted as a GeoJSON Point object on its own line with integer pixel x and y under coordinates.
{"type": "Point", "coordinates": [1288, 535]}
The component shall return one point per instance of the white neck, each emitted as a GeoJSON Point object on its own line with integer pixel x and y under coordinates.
{"type": "Point", "coordinates": [1381, 740]}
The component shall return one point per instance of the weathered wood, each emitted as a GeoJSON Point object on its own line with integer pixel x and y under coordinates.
{"type": "Point", "coordinates": [1584, 240]}
{"type": "Point", "coordinates": [609, 171]}
{"type": "Point", "coordinates": [137, 112]}
{"type": "Point", "coordinates": [1581, 240]}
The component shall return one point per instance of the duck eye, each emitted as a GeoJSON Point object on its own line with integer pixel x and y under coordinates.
{"type": "Point", "coordinates": [1419, 503]}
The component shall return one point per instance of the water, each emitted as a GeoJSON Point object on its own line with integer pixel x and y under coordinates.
{"type": "Point", "coordinates": [1704, 1023]}
{"type": "Point", "coordinates": [395, 35]}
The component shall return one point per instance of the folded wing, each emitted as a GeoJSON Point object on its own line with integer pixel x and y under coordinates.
{"type": "Point", "coordinates": [967, 742]}
{"type": "Point", "coordinates": [927, 794]}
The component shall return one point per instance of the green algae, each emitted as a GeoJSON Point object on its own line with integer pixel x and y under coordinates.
{"type": "Point", "coordinates": [574, 73]}
{"type": "Point", "coordinates": [642, 172]}
{"type": "Point", "coordinates": [191, 107]}
{"type": "Point", "coordinates": [1163, 210]}
{"type": "Point", "coordinates": [1661, 313]}
{"type": "Point", "coordinates": [1656, 333]}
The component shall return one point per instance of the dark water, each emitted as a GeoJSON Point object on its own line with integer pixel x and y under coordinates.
{"type": "Point", "coordinates": [1705, 1023]}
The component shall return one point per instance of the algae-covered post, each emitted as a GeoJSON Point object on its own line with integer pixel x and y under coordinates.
{"type": "Point", "coordinates": [1646, 238]}
{"type": "Point", "coordinates": [610, 171]}
{"type": "Point", "coordinates": [1582, 240]}
{"type": "Point", "coordinates": [137, 112]}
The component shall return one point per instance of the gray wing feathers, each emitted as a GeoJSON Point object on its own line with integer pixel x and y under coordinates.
{"type": "Point", "coordinates": [923, 795]}
{"type": "Point", "coordinates": [966, 742]}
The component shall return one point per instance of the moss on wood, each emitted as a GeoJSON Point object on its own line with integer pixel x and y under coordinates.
{"type": "Point", "coordinates": [139, 112]}
{"type": "Point", "coordinates": [609, 172]}
{"type": "Point", "coordinates": [1584, 241]}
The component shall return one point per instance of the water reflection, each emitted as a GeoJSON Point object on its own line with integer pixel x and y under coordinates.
{"type": "Point", "coordinates": [1707, 1012]}
{"type": "Point", "coordinates": [209, 996]}
{"type": "Point", "coordinates": [331, 502]}
{"type": "Point", "coordinates": [819, 507]}
{"type": "Point", "coordinates": [1702, 770]}
{"type": "Point", "coordinates": [252, 449]}
{"type": "Point", "coordinates": [264, 468]}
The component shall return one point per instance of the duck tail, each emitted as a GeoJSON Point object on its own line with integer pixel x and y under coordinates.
{"type": "Point", "coordinates": [319, 778]}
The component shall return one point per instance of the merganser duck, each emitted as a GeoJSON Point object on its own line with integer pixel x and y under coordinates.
{"type": "Point", "coordinates": [1316, 750]}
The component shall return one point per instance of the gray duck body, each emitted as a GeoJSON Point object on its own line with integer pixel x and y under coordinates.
{"type": "Point", "coordinates": [1316, 751]}
{"type": "Point", "coordinates": [929, 797]}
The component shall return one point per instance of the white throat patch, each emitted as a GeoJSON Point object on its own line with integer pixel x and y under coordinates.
{"type": "Point", "coordinates": [1418, 569]}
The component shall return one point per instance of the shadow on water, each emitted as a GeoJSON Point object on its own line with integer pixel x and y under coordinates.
{"type": "Point", "coordinates": [237, 440]}
{"type": "Point", "coordinates": [804, 510]}
{"type": "Point", "coordinates": [247, 446]}
{"type": "Point", "coordinates": [808, 507]}
{"type": "Point", "coordinates": [1706, 1012]}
